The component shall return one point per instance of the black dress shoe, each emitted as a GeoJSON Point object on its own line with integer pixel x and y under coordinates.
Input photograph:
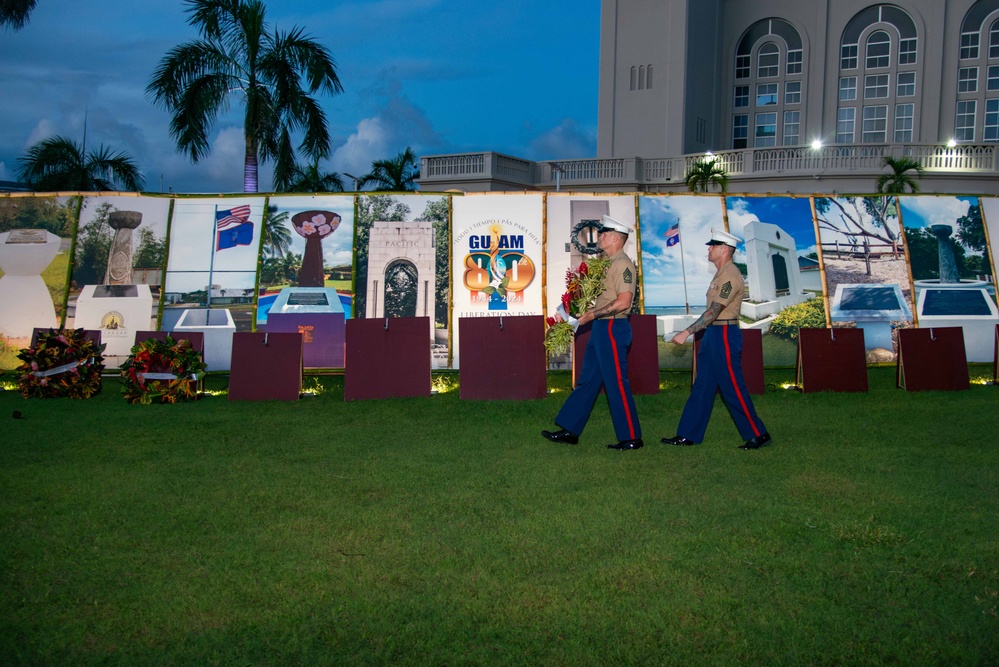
{"type": "Point", "coordinates": [757, 442]}
{"type": "Point", "coordinates": [677, 440]}
{"type": "Point", "coordinates": [627, 444]}
{"type": "Point", "coordinates": [561, 436]}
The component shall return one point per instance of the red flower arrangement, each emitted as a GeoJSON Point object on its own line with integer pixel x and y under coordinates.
{"type": "Point", "coordinates": [61, 364]}
{"type": "Point", "coordinates": [582, 287]}
{"type": "Point", "coordinates": [162, 370]}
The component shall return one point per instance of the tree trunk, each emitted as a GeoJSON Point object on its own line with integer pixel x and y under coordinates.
{"type": "Point", "coordinates": [250, 168]}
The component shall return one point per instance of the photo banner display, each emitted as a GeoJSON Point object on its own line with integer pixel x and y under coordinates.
{"type": "Point", "coordinates": [496, 257]}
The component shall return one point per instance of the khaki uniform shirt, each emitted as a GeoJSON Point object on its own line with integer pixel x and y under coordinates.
{"type": "Point", "coordinates": [727, 288]}
{"type": "Point", "coordinates": [620, 277]}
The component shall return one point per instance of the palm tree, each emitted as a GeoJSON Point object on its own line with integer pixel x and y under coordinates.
{"type": "Point", "coordinates": [14, 13]}
{"type": "Point", "coordinates": [58, 163]}
{"type": "Point", "coordinates": [311, 179]}
{"type": "Point", "coordinates": [277, 237]}
{"type": "Point", "coordinates": [705, 173]}
{"type": "Point", "coordinates": [274, 74]}
{"type": "Point", "coordinates": [394, 175]}
{"type": "Point", "coordinates": [899, 180]}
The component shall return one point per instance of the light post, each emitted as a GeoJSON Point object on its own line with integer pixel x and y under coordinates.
{"type": "Point", "coordinates": [357, 181]}
{"type": "Point", "coordinates": [558, 174]}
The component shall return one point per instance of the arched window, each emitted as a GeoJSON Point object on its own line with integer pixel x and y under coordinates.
{"type": "Point", "coordinates": [648, 76]}
{"type": "Point", "coordinates": [877, 91]}
{"type": "Point", "coordinates": [634, 78]}
{"type": "Point", "coordinates": [641, 77]}
{"type": "Point", "coordinates": [976, 117]}
{"type": "Point", "coordinates": [767, 96]}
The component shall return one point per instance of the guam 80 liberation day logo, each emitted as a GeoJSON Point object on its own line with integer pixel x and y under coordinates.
{"type": "Point", "coordinates": [497, 268]}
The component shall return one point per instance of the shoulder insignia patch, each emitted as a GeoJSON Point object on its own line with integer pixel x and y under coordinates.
{"type": "Point", "coordinates": [726, 290]}
{"type": "Point", "coordinates": [626, 276]}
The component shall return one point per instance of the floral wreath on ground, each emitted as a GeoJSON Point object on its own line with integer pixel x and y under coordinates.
{"type": "Point", "coordinates": [582, 287]}
{"type": "Point", "coordinates": [61, 364]}
{"type": "Point", "coordinates": [164, 371]}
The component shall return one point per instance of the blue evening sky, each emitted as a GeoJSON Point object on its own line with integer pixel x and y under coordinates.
{"type": "Point", "coordinates": [518, 77]}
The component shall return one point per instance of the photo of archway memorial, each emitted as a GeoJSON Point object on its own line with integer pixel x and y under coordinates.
{"type": "Point", "coordinates": [496, 258]}
{"type": "Point", "coordinates": [951, 271]}
{"type": "Point", "coordinates": [573, 222]}
{"type": "Point", "coordinates": [675, 268]}
{"type": "Point", "coordinates": [865, 269]}
{"type": "Point", "coordinates": [401, 263]}
{"type": "Point", "coordinates": [119, 257]}
{"type": "Point", "coordinates": [780, 263]}
{"type": "Point", "coordinates": [36, 236]}
{"type": "Point", "coordinates": [211, 276]}
{"type": "Point", "coordinates": [306, 273]}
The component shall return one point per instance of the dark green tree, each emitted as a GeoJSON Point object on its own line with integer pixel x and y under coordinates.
{"type": "Point", "coordinates": [971, 233]}
{"type": "Point", "coordinates": [437, 212]}
{"type": "Point", "coordinates": [275, 75]}
{"type": "Point", "coordinates": [705, 173]}
{"type": "Point", "coordinates": [397, 174]}
{"type": "Point", "coordinates": [277, 236]}
{"type": "Point", "coordinates": [58, 163]}
{"type": "Point", "coordinates": [311, 178]}
{"type": "Point", "coordinates": [900, 179]}
{"type": "Point", "coordinates": [93, 242]}
{"type": "Point", "coordinates": [38, 213]}
{"type": "Point", "coordinates": [370, 208]}
{"type": "Point", "coordinates": [15, 13]}
{"type": "Point", "coordinates": [150, 252]}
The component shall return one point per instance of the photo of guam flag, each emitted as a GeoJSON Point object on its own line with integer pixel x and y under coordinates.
{"type": "Point", "coordinates": [233, 227]}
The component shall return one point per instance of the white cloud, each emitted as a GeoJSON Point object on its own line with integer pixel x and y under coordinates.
{"type": "Point", "coordinates": [44, 129]}
{"type": "Point", "coordinates": [566, 141]}
{"type": "Point", "coordinates": [5, 173]}
{"type": "Point", "coordinates": [936, 210]}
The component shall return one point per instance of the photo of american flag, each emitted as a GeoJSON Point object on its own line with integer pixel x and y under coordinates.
{"type": "Point", "coordinates": [673, 235]}
{"type": "Point", "coordinates": [233, 216]}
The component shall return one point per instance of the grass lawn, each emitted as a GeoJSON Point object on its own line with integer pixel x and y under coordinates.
{"type": "Point", "coordinates": [435, 531]}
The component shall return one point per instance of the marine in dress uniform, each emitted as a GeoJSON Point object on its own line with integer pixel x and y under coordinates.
{"type": "Point", "coordinates": [605, 359]}
{"type": "Point", "coordinates": [719, 362]}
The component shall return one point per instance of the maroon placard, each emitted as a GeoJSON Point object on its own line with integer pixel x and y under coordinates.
{"type": "Point", "coordinates": [831, 360]}
{"type": "Point", "coordinates": [752, 359]}
{"type": "Point", "coordinates": [502, 357]}
{"type": "Point", "coordinates": [265, 366]}
{"type": "Point", "coordinates": [197, 338]}
{"type": "Point", "coordinates": [387, 358]}
{"type": "Point", "coordinates": [931, 359]}
{"type": "Point", "coordinates": [643, 355]}
{"type": "Point", "coordinates": [995, 359]}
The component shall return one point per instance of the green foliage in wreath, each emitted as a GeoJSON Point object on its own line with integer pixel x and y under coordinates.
{"type": "Point", "coordinates": [61, 364]}
{"type": "Point", "coordinates": [175, 367]}
{"type": "Point", "coordinates": [808, 315]}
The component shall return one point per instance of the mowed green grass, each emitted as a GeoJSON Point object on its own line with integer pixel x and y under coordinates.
{"type": "Point", "coordinates": [436, 531]}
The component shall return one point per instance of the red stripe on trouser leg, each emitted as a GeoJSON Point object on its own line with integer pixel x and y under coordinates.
{"type": "Point", "coordinates": [620, 380]}
{"type": "Point", "coordinates": [731, 373]}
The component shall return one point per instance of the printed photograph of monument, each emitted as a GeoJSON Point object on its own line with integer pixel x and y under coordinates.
{"type": "Point", "coordinates": [118, 270]}
{"type": "Point", "coordinates": [573, 222]}
{"type": "Point", "coordinates": [212, 271]}
{"type": "Point", "coordinates": [402, 267]}
{"type": "Point", "coordinates": [780, 263]}
{"type": "Point", "coordinates": [35, 239]}
{"type": "Point", "coordinates": [990, 218]}
{"type": "Point", "coordinates": [951, 269]}
{"type": "Point", "coordinates": [867, 277]}
{"type": "Point", "coordinates": [306, 273]}
{"type": "Point", "coordinates": [675, 268]}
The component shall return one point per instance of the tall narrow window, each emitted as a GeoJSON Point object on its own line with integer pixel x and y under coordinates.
{"type": "Point", "coordinates": [964, 128]}
{"type": "Point", "coordinates": [792, 125]}
{"type": "Point", "coordinates": [740, 131]}
{"type": "Point", "coordinates": [991, 120]}
{"type": "Point", "coordinates": [992, 83]}
{"type": "Point", "coordinates": [634, 78]}
{"type": "Point", "coordinates": [794, 62]}
{"type": "Point", "coordinates": [907, 51]}
{"type": "Point", "coordinates": [903, 123]}
{"type": "Point", "coordinates": [641, 77]}
{"type": "Point", "coordinates": [845, 121]}
{"type": "Point", "coordinates": [742, 67]}
{"type": "Point", "coordinates": [875, 124]}
{"type": "Point", "coordinates": [994, 40]}
{"type": "Point", "coordinates": [848, 88]}
{"type": "Point", "coordinates": [648, 76]}
{"type": "Point", "coordinates": [766, 130]}
{"type": "Point", "coordinates": [906, 84]}
{"type": "Point", "coordinates": [742, 96]}
{"type": "Point", "coordinates": [792, 92]}
{"type": "Point", "coordinates": [878, 50]}
{"type": "Point", "coordinates": [969, 46]}
{"type": "Point", "coordinates": [848, 56]}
